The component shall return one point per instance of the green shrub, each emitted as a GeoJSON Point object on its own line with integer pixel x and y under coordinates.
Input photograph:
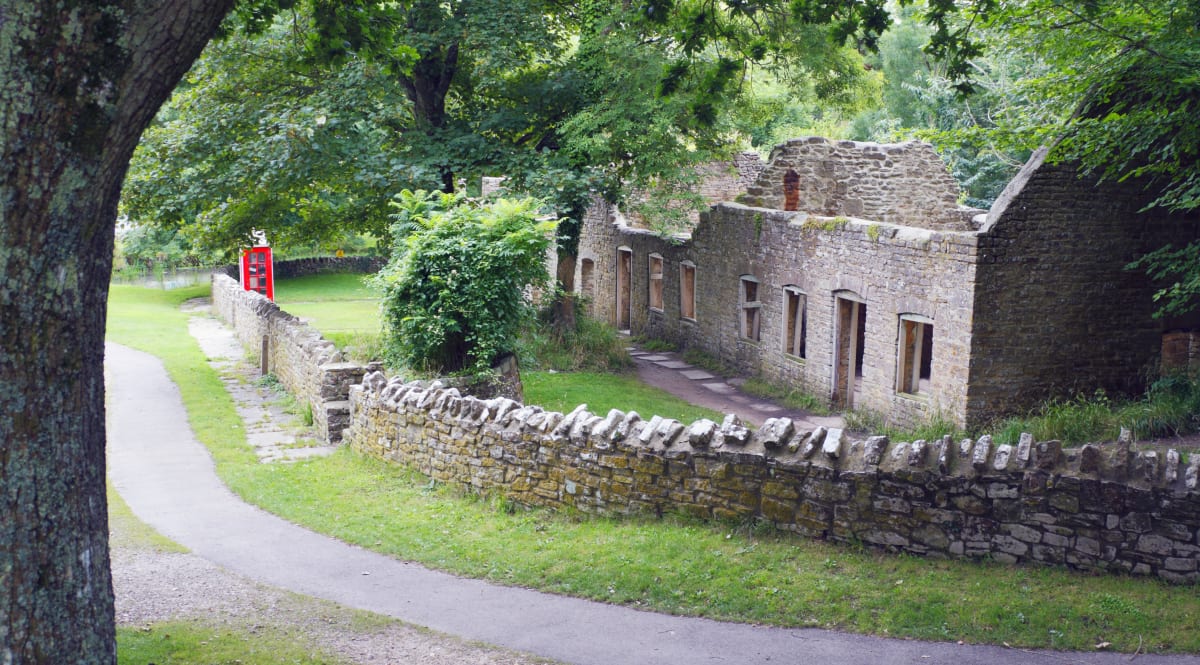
{"type": "Point", "coordinates": [453, 292]}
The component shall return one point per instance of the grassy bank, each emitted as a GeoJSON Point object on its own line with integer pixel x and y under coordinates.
{"type": "Point", "coordinates": [739, 572]}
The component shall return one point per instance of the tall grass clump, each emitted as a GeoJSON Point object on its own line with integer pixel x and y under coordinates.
{"type": "Point", "coordinates": [788, 396]}
{"type": "Point", "coordinates": [932, 428]}
{"type": "Point", "coordinates": [1169, 407]}
{"type": "Point", "coordinates": [590, 346]}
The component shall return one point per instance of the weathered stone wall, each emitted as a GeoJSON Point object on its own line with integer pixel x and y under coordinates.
{"type": "Point", "coordinates": [1055, 308]}
{"type": "Point", "coordinates": [894, 270]}
{"type": "Point", "coordinates": [1122, 510]}
{"type": "Point", "coordinates": [905, 183]}
{"type": "Point", "coordinates": [306, 364]}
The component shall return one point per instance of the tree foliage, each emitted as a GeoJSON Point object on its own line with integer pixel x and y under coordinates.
{"type": "Point", "coordinates": [344, 97]}
{"type": "Point", "coordinates": [1122, 84]}
{"type": "Point", "coordinates": [256, 138]}
{"type": "Point", "coordinates": [454, 290]}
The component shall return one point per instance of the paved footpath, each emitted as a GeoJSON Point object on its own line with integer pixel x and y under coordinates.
{"type": "Point", "coordinates": [168, 479]}
{"type": "Point", "coordinates": [668, 371]}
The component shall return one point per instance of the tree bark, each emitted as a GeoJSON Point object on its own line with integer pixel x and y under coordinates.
{"type": "Point", "coordinates": [78, 84]}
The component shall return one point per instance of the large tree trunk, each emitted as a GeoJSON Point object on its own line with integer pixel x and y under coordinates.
{"type": "Point", "coordinates": [78, 84]}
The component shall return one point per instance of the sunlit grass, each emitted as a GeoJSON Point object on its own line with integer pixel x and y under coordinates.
{"type": "Point", "coordinates": [602, 392]}
{"type": "Point", "coordinates": [195, 643]}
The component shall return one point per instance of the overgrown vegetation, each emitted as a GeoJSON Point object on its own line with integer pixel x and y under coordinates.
{"type": "Point", "coordinates": [873, 422]}
{"type": "Point", "coordinates": [1171, 407]}
{"type": "Point", "coordinates": [586, 345]}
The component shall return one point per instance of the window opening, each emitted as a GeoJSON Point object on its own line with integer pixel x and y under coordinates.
{"type": "Point", "coordinates": [916, 355]}
{"type": "Point", "coordinates": [656, 282]}
{"type": "Point", "coordinates": [687, 290]}
{"type": "Point", "coordinates": [751, 308]}
{"type": "Point", "coordinates": [791, 190]}
{"type": "Point", "coordinates": [795, 312]}
{"type": "Point", "coordinates": [587, 278]}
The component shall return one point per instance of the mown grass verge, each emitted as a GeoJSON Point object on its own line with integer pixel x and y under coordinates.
{"type": "Point", "coordinates": [197, 643]}
{"type": "Point", "coordinates": [739, 572]}
{"type": "Point", "coordinates": [602, 392]}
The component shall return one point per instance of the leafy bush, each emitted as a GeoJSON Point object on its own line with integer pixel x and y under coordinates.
{"type": "Point", "coordinates": [453, 292]}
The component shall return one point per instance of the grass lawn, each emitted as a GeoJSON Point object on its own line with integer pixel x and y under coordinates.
{"type": "Point", "coordinates": [563, 391]}
{"type": "Point", "coordinates": [322, 288]}
{"type": "Point", "coordinates": [739, 572]}
{"type": "Point", "coordinates": [335, 303]}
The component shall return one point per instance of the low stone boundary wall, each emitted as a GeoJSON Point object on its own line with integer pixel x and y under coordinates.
{"type": "Point", "coordinates": [310, 367]}
{"type": "Point", "coordinates": [1113, 509]}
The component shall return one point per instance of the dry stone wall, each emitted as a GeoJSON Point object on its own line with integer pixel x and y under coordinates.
{"type": "Point", "coordinates": [1112, 509]}
{"type": "Point", "coordinates": [310, 367]}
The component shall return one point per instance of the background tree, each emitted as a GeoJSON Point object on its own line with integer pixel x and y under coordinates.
{"type": "Point", "coordinates": [258, 137]}
{"type": "Point", "coordinates": [525, 89]}
{"type": "Point", "coordinates": [1118, 96]}
{"type": "Point", "coordinates": [78, 84]}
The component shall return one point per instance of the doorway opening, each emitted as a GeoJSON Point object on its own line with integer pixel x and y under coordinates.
{"type": "Point", "coordinates": [624, 288]}
{"type": "Point", "coordinates": [849, 348]}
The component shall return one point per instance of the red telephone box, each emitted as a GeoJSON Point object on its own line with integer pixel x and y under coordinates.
{"type": "Point", "coordinates": [257, 272]}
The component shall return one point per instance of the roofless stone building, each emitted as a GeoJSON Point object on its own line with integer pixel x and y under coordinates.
{"type": "Point", "coordinates": [849, 269]}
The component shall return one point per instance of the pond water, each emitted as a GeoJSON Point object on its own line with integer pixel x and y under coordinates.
{"type": "Point", "coordinates": [167, 280]}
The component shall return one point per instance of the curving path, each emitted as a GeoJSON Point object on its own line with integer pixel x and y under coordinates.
{"type": "Point", "coordinates": [169, 481]}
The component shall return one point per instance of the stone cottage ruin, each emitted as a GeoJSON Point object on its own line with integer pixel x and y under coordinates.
{"type": "Point", "coordinates": [849, 269]}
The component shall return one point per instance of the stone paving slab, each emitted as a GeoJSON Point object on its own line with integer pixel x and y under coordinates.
{"type": "Point", "coordinates": [673, 364]}
{"type": "Point", "coordinates": [656, 358]}
{"type": "Point", "coordinates": [765, 408]}
{"type": "Point", "coordinates": [697, 375]}
{"type": "Point", "coordinates": [719, 387]}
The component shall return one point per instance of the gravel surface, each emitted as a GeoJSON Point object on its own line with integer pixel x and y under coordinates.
{"type": "Point", "coordinates": [153, 586]}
